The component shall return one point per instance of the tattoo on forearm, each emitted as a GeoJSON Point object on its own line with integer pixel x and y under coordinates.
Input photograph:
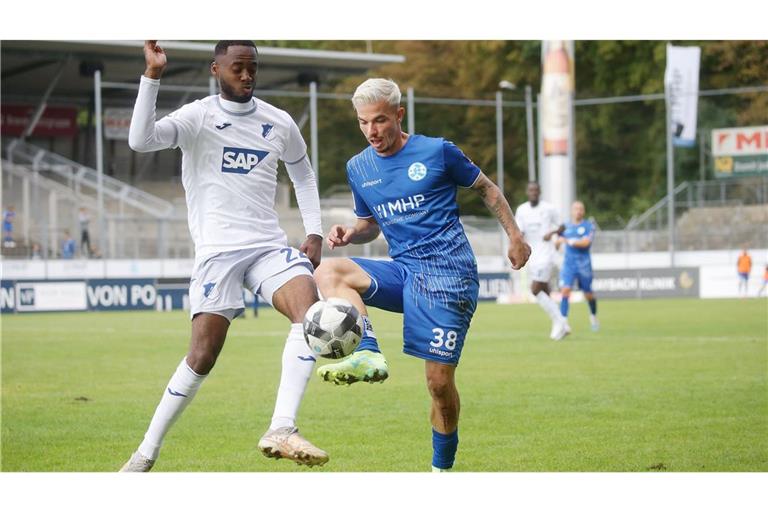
{"type": "Point", "coordinates": [501, 209]}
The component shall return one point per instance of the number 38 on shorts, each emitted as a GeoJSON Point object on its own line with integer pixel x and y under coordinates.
{"type": "Point", "coordinates": [444, 339]}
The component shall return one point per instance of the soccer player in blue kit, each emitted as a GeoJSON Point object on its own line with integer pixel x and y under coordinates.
{"type": "Point", "coordinates": [405, 185]}
{"type": "Point", "coordinates": [577, 265]}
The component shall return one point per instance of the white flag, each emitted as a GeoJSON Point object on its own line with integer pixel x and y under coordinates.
{"type": "Point", "coordinates": [681, 83]}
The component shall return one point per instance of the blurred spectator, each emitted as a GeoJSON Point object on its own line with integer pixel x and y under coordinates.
{"type": "Point", "coordinates": [68, 246]}
{"type": "Point", "coordinates": [36, 252]}
{"type": "Point", "coordinates": [85, 238]}
{"type": "Point", "coordinates": [8, 216]}
{"type": "Point", "coordinates": [744, 267]}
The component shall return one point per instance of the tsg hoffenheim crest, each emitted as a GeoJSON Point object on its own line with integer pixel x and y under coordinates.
{"type": "Point", "coordinates": [417, 171]}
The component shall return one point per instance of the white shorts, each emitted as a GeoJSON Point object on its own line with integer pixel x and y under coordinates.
{"type": "Point", "coordinates": [540, 270]}
{"type": "Point", "coordinates": [218, 279]}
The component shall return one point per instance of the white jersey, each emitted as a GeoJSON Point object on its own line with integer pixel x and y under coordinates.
{"type": "Point", "coordinates": [229, 166]}
{"type": "Point", "coordinates": [535, 222]}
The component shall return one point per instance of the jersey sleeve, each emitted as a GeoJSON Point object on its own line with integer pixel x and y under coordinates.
{"type": "Point", "coordinates": [361, 208]}
{"type": "Point", "coordinates": [590, 233]}
{"type": "Point", "coordinates": [460, 168]}
{"type": "Point", "coordinates": [295, 147]}
{"type": "Point", "coordinates": [176, 129]}
{"type": "Point", "coordinates": [187, 122]}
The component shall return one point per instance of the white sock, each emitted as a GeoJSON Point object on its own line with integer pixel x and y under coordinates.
{"type": "Point", "coordinates": [549, 306]}
{"type": "Point", "coordinates": [298, 363]}
{"type": "Point", "coordinates": [592, 319]}
{"type": "Point", "coordinates": [180, 391]}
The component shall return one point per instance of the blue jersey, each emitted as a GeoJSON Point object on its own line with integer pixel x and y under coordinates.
{"type": "Point", "coordinates": [412, 196]}
{"type": "Point", "coordinates": [578, 257]}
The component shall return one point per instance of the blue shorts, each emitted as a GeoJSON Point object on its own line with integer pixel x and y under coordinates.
{"type": "Point", "coordinates": [744, 276]}
{"type": "Point", "coordinates": [582, 274]}
{"type": "Point", "coordinates": [437, 310]}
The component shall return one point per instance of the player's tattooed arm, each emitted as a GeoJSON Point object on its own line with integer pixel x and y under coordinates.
{"type": "Point", "coordinates": [494, 200]}
{"type": "Point", "coordinates": [364, 231]}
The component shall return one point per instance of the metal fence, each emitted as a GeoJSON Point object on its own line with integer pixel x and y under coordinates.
{"type": "Point", "coordinates": [496, 132]}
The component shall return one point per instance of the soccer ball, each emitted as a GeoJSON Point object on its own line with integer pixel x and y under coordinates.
{"type": "Point", "coordinates": [332, 328]}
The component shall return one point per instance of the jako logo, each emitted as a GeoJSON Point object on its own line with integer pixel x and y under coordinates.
{"type": "Point", "coordinates": [241, 161]}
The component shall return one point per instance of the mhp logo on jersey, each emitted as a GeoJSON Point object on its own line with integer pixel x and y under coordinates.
{"type": "Point", "coordinates": [240, 160]}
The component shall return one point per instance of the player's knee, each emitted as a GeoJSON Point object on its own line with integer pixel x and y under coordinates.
{"type": "Point", "coordinates": [440, 387]}
{"type": "Point", "coordinates": [201, 362]}
{"type": "Point", "coordinates": [329, 275]}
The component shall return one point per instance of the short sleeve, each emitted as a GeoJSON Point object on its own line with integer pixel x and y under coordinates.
{"type": "Point", "coordinates": [361, 208]}
{"type": "Point", "coordinates": [295, 147]}
{"type": "Point", "coordinates": [186, 122]}
{"type": "Point", "coordinates": [590, 231]}
{"type": "Point", "coordinates": [461, 169]}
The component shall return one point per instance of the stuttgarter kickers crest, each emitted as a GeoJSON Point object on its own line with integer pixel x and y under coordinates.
{"type": "Point", "coordinates": [417, 171]}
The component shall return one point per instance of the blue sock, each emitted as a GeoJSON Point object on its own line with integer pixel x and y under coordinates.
{"type": "Point", "coordinates": [564, 307]}
{"type": "Point", "coordinates": [593, 306]}
{"type": "Point", "coordinates": [444, 448]}
{"type": "Point", "coordinates": [368, 341]}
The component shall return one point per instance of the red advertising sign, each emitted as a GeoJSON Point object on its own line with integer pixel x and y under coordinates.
{"type": "Point", "coordinates": [55, 121]}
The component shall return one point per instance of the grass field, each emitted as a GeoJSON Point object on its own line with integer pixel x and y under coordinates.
{"type": "Point", "coordinates": [666, 385]}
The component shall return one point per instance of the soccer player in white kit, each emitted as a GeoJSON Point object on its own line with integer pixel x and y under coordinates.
{"type": "Point", "coordinates": [231, 144]}
{"type": "Point", "coordinates": [539, 222]}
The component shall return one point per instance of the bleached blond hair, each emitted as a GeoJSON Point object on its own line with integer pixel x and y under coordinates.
{"type": "Point", "coordinates": [375, 90]}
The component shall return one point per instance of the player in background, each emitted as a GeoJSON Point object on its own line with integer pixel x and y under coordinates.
{"type": "Point", "coordinates": [577, 265]}
{"type": "Point", "coordinates": [404, 185]}
{"type": "Point", "coordinates": [539, 223]}
{"type": "Point", "coordinates": [231, 144]}
{"type": "Point", "coordinates": [765, 282]}
{"type": "Point", "coordinates": [743, 268]}
{"type": "Point", "coordinates": [9, 214]}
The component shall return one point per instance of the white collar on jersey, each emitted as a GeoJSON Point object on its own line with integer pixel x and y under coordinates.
{"type": "Point", "coordinates": [235, 108]}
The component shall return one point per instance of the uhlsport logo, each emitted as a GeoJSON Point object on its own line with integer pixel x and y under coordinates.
{"type": "Point", "coordinates": [417, 171]}
{"type": "Point", "coordinates": [240, 160]}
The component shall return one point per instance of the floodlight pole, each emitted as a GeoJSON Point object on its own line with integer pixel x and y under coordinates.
{"type": "Point", "coordinates": [500, 162]}
{"type": "Point", "coordinates": [313, 130]}
{"type": "Point", "coordinates": [499, 141]}
{"type": "Point", "coordinates": [411, 111]}
{"type": "Point", "coordinates": [99, 157]}
{"type": "Point", "coordinates": [670, 183]}
{"type": "Point", "coordinates": [529, 133]}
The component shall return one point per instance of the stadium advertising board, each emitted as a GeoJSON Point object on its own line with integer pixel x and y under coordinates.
{"type": "Point", "coordinates": [50, 296]}
{"type": "Point", "coordinates": [89, 295]}
{"type": "Point", "coordinates": [494, 285]}
{"type": "Point", "coordinates": [110, 294]}
{"type": "Point", "coordinates": [741, 151]}
{"type": "Point", "coordinates": [646, 283]}
{"type": "Point", "coordinates": [54, 122]}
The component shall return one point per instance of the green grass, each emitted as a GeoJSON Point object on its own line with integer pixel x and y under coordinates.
{"type": "Point", "coordinates": [675, 385]}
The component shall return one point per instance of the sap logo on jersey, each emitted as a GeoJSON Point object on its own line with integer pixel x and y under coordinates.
{"type": "Point", "coordinates": [240, 160]}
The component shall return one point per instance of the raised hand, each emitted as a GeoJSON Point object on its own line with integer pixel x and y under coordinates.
{"type": "Point", "coordinates": [155, 58]}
